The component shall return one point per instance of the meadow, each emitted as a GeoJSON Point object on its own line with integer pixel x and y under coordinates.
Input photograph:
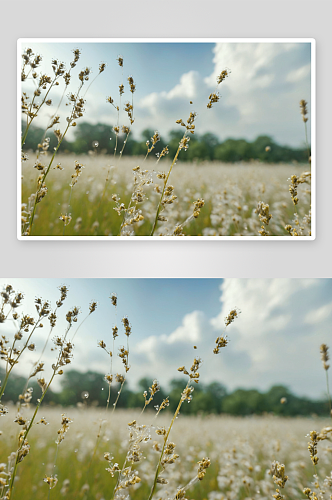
{"type": "Point", "coordinates": [241, 451]}
{"type": "Point", "coordinates": [231, 194]}
{"type": "Point", "coordinates": [103, 453]}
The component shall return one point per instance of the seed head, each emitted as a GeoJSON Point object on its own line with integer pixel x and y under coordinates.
{"type": "Point", "coordinates": [304, 110]}
{"type": "Point", "coordinates": [325, 356]}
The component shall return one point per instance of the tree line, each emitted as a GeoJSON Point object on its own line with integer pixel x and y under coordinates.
{"type": "Point", "coordinates": [210, 398]}
{"type": "Point", "coordinates": [206, 147]}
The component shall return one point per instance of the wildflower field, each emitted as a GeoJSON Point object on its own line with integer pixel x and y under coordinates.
{"type": "Point", "coordinates": [241, 451]}
{"type": "Point", "coordinates": [232, 195]}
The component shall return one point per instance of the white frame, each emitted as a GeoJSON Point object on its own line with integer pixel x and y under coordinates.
{"type": "Point", "coordinates": [312, 41]}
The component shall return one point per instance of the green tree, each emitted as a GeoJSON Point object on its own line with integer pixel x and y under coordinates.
{"type": "Point", "coordinates": [197, 151]}
{"type": "Point", "coordinates": [86, 133]}
{"type": "Point", "coordinates": [243, 402]}
{"type": "Point", "coordinates": [35, 136]}
{"type": "Point", "coordinates": [175, 137]}
{"type": "Point", "coordinates": [210, 142]}
{"type": "Point", "coordinates": [75, 383]}
{"type": "Point", "coordinates": [16, 385]}
{"type": "Point", "coordinates": [217, 391]}
{"type": "Point", "coordinates": [147, 134]}
{"type": "Point", "coordinates": [233, 150]}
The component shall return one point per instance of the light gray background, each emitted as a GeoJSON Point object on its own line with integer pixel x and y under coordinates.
{"type": "Point", "coordinates": [178, 258]}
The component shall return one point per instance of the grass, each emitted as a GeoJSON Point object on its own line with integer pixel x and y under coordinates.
{"type": "Point", "coordinates": [231, 194]}
{"type": "Point", "coordinates": [238, 448]}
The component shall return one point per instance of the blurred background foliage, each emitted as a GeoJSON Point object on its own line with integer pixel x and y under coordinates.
{"type": "Point", "coordinates": [211, 398]}
{"type": "Point", "coordinates": [206, 147]}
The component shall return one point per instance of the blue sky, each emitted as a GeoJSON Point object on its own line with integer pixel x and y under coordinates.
{"type": "Point", "coordinates": [275, 340]}
{"type": "Point", "coordinates": [146, 301]}
{"type": "Point", "coordinates": [261, 95]}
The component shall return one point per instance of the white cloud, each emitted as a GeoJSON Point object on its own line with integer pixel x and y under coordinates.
{"type": "Point", "coordinates": [160, 110]}
{"type": "Point", "coordinates": [261, 95]}
{"type": "Point", "coordinates": [190, 330]}
{"type": "Point", "coordinates": [247, 61]}
{"type": "Point", "coordinates": [260, 86]}
{"type": "Point", "coordinates": [319, 315]}
{"type": "Point", "coordinates": [160, 356]}
{"type": "Point", "coordinates": [250, 69]}
{"type": "Point", "coordinates": [273, 331]}
{"type": "Point", "coordinates": [299, 74]}
{"type": "Point", "coordinates": [260, 298]}
{"type": "Point", "coordinates": [275, 340]}
{"type": "Point", "coordinates": [187, 87]}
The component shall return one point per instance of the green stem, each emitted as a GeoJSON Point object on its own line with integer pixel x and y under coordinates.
{"type": "Point", "coordinates": [124, 144]}
{"type": "Point", "coordinates": [117, 399]}
{"type": "Point", "coordinates": [43, 180]}
{"type": "Point", "coordinates": [165, 441]}
{"type": "Point", "coordinates": [50, 121]}
{"type": "Point", "coordinates": [328, 393]}
{"type": "Point", "coordinates": [107, 177]}
{"type": "Point", "coordinates": [105, 188]}
{"type": "Point", "coordinates": [69, 201]}
{"type": "Point", "coordinates": [306, 140]}
{"type": "Point", "coordinates": [17, 358]}
{"type": "Point", "coordinates": [90, 85]}
{"type": "Point", "coordinates": [55, 459]}
{"type": "Point", "coordinates": [5, 383]}
{"type": "Point", "coordinates": [11, 484]}
{"type": "Point", "coordinates": [79, 326]}
{"type": "Point", "coordinates": [100, 425]}
{"type": "Point", "coordinates": [165, 184]}
{"type": "Point", "coordinates": [43, 101]}
{"type": "Point", "coordinates": [37, 362]}
{"type": "Point", "coordinates": [53, 156]}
